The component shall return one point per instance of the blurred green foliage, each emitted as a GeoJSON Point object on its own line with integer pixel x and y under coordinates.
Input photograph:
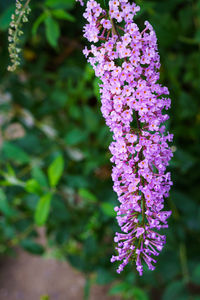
{"type": "Point", "coordinates": [55, 169]}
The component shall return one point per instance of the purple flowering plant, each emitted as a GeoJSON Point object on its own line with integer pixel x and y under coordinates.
{"type": "Point", "coordinates": [127, 62]}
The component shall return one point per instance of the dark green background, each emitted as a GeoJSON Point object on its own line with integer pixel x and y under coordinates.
{"type": "Point", "coordinates": [53, 103]}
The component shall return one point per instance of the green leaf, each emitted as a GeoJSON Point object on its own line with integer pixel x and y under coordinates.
{"type": "Point", "coordinates": [43, 209]}
{"type": "Point", "coordinates": [39, 176]}
{"type": "Point", "coordinates": [32, 186]}
{"type": "Point", "coordinates": [118, 288]}
{"type": "Point", "coordinates": [104, 4]}
{"type": "Point", "coordinates": [10, 170]}
{"type": "Point", "coordinates": [175, 290]}
{"type": "Point", "coordinates": [5, 18]}
{"type": "Point", "coordinates": [87, 288]}
{"type": "Point", "coordinates": [32, 247]}
{"type": "Point", "coordinates": [104, 276]}
{"type": "Point", "coordinates": [197, 36]}
{"type": "Point", "coordinates": [91, 119]}
{"type": "Point", "coordinates": [76, 181]}
{"type": "Point", "coordinates": [138, 294]}
{"type": "Point", "coordinates": [44, 297]}
{"type": "Point", "coordinates": [63, 15]}
{"type": "Point", "coordinates": [60, 3]}
{"type": "Point", "coordinates": [38, 21]}
{"type": "Point", "coordinates": [78, 262]}
{"type": "Point", "coordinates": [196, 275]}
{"type": "Point", "coordinates": [59, 97]}
{"type": "Point", "coordinates": [87, 195]}
{"type": "Point", "coordinates": [15, 153]}
{"type": "Point", "coordinates": [55, 171]}
{"type": "Point", "coordinates": [108, 209]}
{"type": "Point", "coordinates": [5, 206]}
{"type": "Point", "coordinates": [52, 31]}
{"type": "Point", "coordinates": [96, 83]}
{"type": "Point", "coordinates": [75, 136]}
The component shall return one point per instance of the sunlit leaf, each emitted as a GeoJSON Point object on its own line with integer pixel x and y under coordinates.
{"type": "Point", "coordinates": [32, 186]}
{"type": "Point", "coordinates": [55, 170]}
{"type": "Point", "coordinates": [43, 209]}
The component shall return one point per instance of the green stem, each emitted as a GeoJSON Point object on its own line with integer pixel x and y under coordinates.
{"type": "Point", "coordinates": [137, 120]}
{"type": "Point", "coordinates": [183, 259]}
{"type": "Point", "coordinates": [19, 20]}
{"type": "Point", "coordinates": [114, 28]}
{"type": "Point", "coordinates": [142, 179]}
{"type": "Point", "coordinates": [87, 288]}
{"type": "Point", "coordinates": [143, 205]}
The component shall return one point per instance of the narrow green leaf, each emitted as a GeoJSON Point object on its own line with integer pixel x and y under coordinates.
{"type": "Point", "coordinates": [10, 170]}
{"type": "Point", "coordinates": [5, 18]}
{"type": "Point", "coordinates": [87, 195]}
{"type": "Point", "coordinates": [39, 176]}
{"type": "Point", "coordinates": [87, 288]}
{"type": "Point", "coordinates": [108, 209]}
{"type": "Point", "coordinates": [104, 276]}
{"type": "Point", "coordinates": [15, 153]}
{"type": "Point", "coordinates": [96, 83]}
{"type": "Point", "coordinates": [196, 275]}
{"type": "Point", "coordinates": [118, 288]}
{"type": "Point", "coordinates": [175, 290]}
{"type": "Point", "coordinates": [55, 171]}
{"type": "Point", "coordinates": [60, 3]}
{"type": "Point", "coordinates": [63, 15]}
{"type": "Point", "coordinates": [75, 136]}
{"type": "Point", "coordinates": [31, 246]}
{"type": "Point", "coordinates": [138, 293]}
{"type": "Point", "coordinates": [38, 21]}
{"type": "Point", "coordinates": [52, 31]}
{"type": "Point", "coordinates": [43, 209]}
{"type": "Point", "coordinates": [5, 206]}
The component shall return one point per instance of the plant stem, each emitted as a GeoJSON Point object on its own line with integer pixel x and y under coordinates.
{"type": "Point", "coordinates": [142, 179]}
{"type": "Point", "coordinates": [114, 28]}
{"type": "Point", "coordinates": [183, 259]}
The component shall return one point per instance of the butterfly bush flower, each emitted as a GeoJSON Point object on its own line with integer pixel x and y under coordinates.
{"type": "Point", "coordinates": [127, 62]}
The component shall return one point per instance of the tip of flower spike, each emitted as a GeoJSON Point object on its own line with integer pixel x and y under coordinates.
{"type": "Point", "coordinates": [140, 269]}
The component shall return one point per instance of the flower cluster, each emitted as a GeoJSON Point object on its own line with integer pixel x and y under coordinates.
{"type": "Point", "coordinates": [19, 17]}
{"type": "Point", "coordinates": [127, 62]}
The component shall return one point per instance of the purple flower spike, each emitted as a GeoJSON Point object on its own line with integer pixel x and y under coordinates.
{"type": "Point", "coordinates": [127, 62]}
